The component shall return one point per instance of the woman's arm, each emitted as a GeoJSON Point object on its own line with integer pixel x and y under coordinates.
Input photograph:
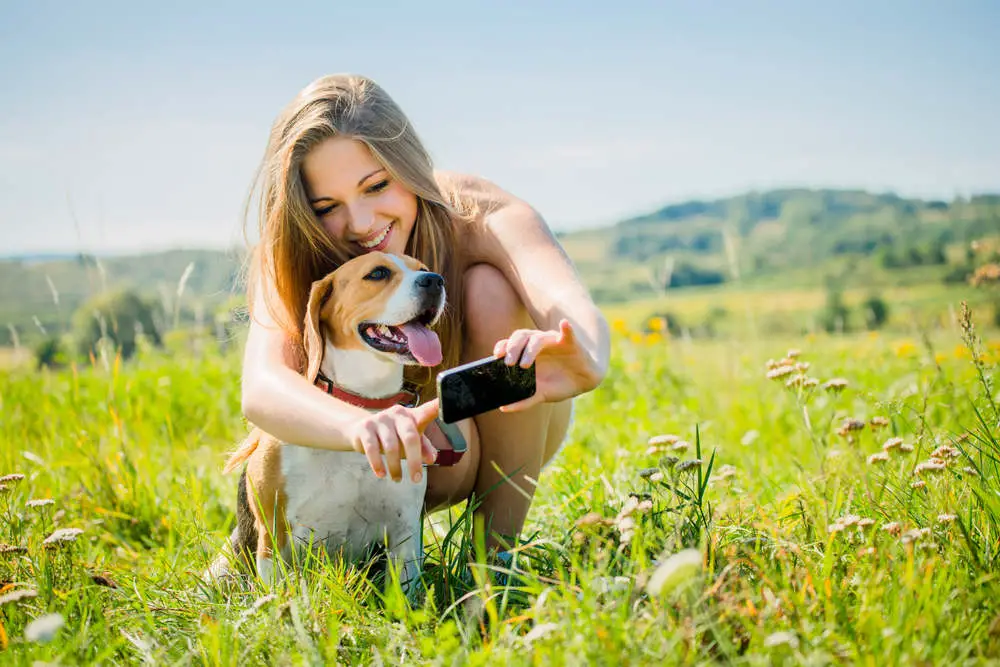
{"type": "Point", "coordinates": [279, 400]}
{"type": "Point", "coordinates": [515, 239]}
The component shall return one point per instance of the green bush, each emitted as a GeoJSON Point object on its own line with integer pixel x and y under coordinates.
{"type": "Point", "coordinates": [49, 353]}
{"type": "Point", "coordinates": [119, 317]}
{"type": "Point", "coordinates": [835, 316]}
{"type": "Point", "coordinates": [876, 312]}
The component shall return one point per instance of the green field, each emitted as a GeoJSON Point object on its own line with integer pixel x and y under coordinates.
{"type": "Point", "coordinates": [810, 550]}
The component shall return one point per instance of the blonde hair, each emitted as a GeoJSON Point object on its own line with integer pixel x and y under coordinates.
{"type": "Point", "coordinates": [294, 249]}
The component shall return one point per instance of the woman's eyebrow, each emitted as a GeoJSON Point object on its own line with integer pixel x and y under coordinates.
{"type": "Point", "coordinates": [316, 200]}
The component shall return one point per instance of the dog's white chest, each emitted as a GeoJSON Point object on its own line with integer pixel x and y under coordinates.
{"type": "Point", "coordinates": [334, 499]}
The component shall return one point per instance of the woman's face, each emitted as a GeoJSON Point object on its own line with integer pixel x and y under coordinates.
{"type": "Point", "coordinates": [355, 198]}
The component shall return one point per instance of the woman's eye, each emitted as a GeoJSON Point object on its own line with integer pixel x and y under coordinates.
{"type": "Point", "coordinates": [378, 273]}
{"type": "Point", "coordinates": [323, 211]}
{"type": "Point", "coordinates": [378, 187]}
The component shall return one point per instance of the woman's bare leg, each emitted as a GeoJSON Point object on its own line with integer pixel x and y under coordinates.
{"type": "Point", "coordinates": [518, 444]}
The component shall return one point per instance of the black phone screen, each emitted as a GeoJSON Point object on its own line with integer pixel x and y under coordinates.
{"type": "Point", "coordinates": [481, 386]}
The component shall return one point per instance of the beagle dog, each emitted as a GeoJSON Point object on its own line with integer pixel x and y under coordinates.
{"type": "Point", "coordinates": [364, 322]}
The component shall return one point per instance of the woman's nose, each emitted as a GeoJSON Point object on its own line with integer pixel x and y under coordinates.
{"type": "Point", "coordinates": [362, 219]}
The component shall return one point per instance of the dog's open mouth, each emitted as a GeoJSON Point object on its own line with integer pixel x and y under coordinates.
{"type": "Point", "coordinates": [412, 339]}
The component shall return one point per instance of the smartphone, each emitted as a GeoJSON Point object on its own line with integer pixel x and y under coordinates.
{"type": "Point", "coordinates": [480, 386]}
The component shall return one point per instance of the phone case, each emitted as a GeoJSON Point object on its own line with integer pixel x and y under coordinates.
{"type": "Point", "coordinates": [480, 386]}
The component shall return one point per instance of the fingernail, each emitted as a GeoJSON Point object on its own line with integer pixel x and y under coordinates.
{"type": "Point", "coordinates": [416, 477]}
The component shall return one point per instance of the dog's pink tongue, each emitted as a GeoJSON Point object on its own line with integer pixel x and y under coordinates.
{"type": "Point", "coordinates": [423, 343]}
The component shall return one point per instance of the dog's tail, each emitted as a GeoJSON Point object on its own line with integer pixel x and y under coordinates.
{"type": "Point", "coordinates": [244, 451]}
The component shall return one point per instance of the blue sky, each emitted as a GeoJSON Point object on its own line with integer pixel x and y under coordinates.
{"type": "Point", "coordinates": [144, 126]}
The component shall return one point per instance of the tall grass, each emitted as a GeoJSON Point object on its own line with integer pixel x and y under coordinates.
{"type": "Point", "coordinates": [843, 495]}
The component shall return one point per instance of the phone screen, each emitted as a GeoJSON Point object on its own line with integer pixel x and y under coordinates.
{"type": "Point", "coordinates": [481, 386]}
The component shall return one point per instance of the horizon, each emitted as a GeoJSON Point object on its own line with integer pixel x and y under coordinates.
{"type": "Point", "coordinates": [56, 255]}
{"type": "Point", "coordinates": [162, 116]}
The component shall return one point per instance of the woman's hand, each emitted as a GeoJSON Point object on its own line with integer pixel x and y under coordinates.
{"type": "Point", "coordinates": [397, 433]}
{"type": "Point", "coordinates": [563, 370]}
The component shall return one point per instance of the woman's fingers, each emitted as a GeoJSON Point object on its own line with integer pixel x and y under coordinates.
{"type": "Point", "coordinates": [412, 444]}
{"type": "Point", "coordinates": [390, 447]}
{"type": "Point", "coordinates": [535, 345]}
{"type": "Point", "coordinates": [372, 449]}
{"type": "Point", "coordinates": [515, 346]}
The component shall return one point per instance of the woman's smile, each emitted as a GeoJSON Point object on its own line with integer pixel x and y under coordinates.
{"type": "Point", "coordinates": [377, 241]}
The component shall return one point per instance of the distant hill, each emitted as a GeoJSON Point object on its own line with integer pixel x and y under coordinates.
{"type": "Point", "coordinates": [766, 233]}
{"type": "Point", "coordinates": [786, 235]}
{"type": "Point", "coordinates": [38, 293]}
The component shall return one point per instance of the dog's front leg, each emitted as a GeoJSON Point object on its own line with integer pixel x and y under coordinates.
{"type": "Point", "coordinates": [406, 552]}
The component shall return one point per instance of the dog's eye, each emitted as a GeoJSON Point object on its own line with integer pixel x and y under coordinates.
{"type": "Point", "coordinates": [378, 273]}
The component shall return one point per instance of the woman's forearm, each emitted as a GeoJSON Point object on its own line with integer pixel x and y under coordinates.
{"type": "Point", "coordinates": [282, 403]}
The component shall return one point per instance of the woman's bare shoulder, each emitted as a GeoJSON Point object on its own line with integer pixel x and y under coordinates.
{"type": "Point", "coordinates": [487, 194]}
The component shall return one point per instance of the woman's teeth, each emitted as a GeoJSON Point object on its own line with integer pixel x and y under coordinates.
{"type": "Point", "coordinates": [368, 245]}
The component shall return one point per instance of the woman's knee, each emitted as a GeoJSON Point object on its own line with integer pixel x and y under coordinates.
{"type": "Point", "coordinates": [493, 308]}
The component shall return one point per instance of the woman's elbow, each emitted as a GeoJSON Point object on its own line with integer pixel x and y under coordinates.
{"type": "Point", "coordinates": [252, 399]}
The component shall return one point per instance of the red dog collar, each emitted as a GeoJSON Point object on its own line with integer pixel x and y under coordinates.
{"type": "Point", "coordinates": [407, 398]}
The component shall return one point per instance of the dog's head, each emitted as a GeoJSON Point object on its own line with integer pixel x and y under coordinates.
{"type": "Point", "coordinates": [377, 302]}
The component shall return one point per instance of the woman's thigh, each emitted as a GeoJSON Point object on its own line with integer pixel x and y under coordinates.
{"type": "Point", "coordinates": [492, 311]}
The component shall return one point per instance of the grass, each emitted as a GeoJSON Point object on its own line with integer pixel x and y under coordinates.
{"type": "Point", "coordinates": [811, 550]}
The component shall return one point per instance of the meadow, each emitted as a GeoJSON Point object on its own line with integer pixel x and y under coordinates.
{"type": "Point", "coordinates": [813, 499]}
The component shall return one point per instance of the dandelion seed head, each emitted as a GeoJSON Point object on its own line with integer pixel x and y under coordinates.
{"type": "Point", "coordinates": [796, 381]}
{"type": "Point", "coordinates": [851, 424]}
{"type": "Point", "coordinates": [945, 452]}
{"type": "Point", "coordinates": [835, 385]}
{"type": "Point", "coordinates": [726, 472]}
{"type": "Point", "coordinates": [878, 458]}
{"type": "Point", "coordinates": [915, 534]}
{"type": "Point", "coordinates": [892, 443]}
{"type": "Point", "coordinates": [893, 527]}
{"type": "Point", "coordinates": [780, 372]}
{"type": "Point", "coordinates": [63, 535]}
{"type": "Point", "coordinates": [931, 465]}
{"type": "Point", "coordinates": [690, 464]}
{"type": "Point", "coordinates": [18, 595]}
{"type": "Point", "coordinates": [44, 628]}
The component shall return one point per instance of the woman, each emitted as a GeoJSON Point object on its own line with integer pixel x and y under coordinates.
{"type": "Point", "coordinates": [344, 173]}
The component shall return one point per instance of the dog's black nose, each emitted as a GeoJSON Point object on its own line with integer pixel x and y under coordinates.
{"type": "Point", "coordinates": [428, 280]}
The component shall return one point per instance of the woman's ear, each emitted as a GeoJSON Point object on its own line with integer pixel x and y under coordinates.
{"type": "Point", "coordinates": [312, 338]}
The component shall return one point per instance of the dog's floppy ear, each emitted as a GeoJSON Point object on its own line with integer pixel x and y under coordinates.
{"type": "Point", "coordinates": [312, 339]}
